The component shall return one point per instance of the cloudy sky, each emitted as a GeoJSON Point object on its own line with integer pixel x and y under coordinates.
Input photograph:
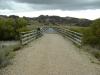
{"type": "Point", "coordinates": [89, 9]}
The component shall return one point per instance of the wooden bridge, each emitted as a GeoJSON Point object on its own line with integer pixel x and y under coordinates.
{"type": "Point", "coordinates": [75, 37]}
{"type": "Point", "coordinates": [51, 54]}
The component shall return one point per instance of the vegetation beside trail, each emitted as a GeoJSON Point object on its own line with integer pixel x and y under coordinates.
{"type": "Point", "coordinates": [79, 29]}
{"type": "Point", "coordinates": [7, 53]}
{"type": "Point", "coordinates": [9, 30]}
{"type": "Point", "coordinates": [10, 26]}
{"type": "Point", "coordinates": [91, 33]}
{"type": "Point", "coordinates": [91, 37]}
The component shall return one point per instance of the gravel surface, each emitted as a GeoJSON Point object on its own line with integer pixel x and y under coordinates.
{"type": "Point", "coordinates": [51, 55]}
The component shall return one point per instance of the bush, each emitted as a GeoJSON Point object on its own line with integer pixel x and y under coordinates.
{"type": "Point", "coordinates": [92, 35]}
{"type": "Point", "coordinates": [9, 28]}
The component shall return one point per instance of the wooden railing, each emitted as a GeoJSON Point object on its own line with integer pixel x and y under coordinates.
{"type": "Point", "coordinates": [72, 35]}
{"type": "Point", "coordinates": [26, 37]}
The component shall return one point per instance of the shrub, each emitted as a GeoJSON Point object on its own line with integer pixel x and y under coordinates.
{"type": "Point", "coordinates": [9, 27]}
{"type": "Point", "coordinates": [92, 35]}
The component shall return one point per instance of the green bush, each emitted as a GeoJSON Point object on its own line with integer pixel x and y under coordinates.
{"type": "Point", "coordinates": [88, 37]}
{"type": "Point", "coordinates": [92, 35]}
{"type": "Point", "coordinates": [9, 28]}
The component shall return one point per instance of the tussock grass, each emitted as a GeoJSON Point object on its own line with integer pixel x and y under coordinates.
{"type": "Point", "coordinates": [95, 52]}
{"type": "Point", "coordinates": [6, 54]}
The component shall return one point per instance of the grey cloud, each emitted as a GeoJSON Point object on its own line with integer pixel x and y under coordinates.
{"type": "Point", "coordinates": [5, 4]}
{"type": "Point", "coordinates": [56, 4]}
{"type": "Point", "coordinates": [64, 4]}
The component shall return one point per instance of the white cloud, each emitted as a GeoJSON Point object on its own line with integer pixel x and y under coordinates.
{"type": "Point", "coordinates": [5, 12]}
{"type": "Point", "coordinates": [89, 14]}
{"type": "Point", "coordinates": [23, 9]}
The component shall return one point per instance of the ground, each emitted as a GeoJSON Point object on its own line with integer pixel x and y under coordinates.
{"type": "Point", "coordinates": [51, 55]}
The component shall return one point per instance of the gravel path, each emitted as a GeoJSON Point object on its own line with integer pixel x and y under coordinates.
{"type": "Point", "coordinates": [51, 55]}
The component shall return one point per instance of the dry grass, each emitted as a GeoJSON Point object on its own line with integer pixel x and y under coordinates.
{"type": "Point", "coordinates": [6, 54]}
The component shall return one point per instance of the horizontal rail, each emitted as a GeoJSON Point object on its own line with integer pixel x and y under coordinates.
{"type": "Point", "coordinates": [26, 37]}
{"type": "Point", "coordinates": [72, 35]}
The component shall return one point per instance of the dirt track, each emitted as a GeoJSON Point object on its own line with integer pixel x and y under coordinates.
{"type": "Point", "coordinates": [51, 55]}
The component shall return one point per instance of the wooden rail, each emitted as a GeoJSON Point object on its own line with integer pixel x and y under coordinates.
{"type": "Point", "coordinates": [72, 35]}
{"type": "Point", "coordinates": [26, 37]}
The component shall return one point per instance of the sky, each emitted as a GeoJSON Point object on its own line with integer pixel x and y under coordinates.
{"type": "Point", "coordinates": [89, 9]}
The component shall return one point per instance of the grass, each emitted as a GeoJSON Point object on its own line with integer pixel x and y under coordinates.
{"type": "Point", "coordinates": [79, 29]}
{"type": "Point", "coordinates": [93, 51]}
{"type": "Point", "coordinates": [6, 54]}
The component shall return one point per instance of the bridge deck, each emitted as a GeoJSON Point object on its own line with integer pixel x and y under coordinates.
{"type": "Point", "coordinates": [51, 55]}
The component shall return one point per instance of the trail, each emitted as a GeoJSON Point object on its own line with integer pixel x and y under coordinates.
{"type": "Point", "coordinates": [51, 55]}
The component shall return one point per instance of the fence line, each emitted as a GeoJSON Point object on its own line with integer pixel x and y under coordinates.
{"type": "Point", "coordinates": [72, 35]}
{"type": "Point", "coordinates": [26, 37]}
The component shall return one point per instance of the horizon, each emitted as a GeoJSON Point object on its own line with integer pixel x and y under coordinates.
{"type": "Point", "coordinates": [88, 9]}
{"type": "Point", "coordinates": [47, 15]}
{"type": "Point", "coordinates": [60, 13]}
